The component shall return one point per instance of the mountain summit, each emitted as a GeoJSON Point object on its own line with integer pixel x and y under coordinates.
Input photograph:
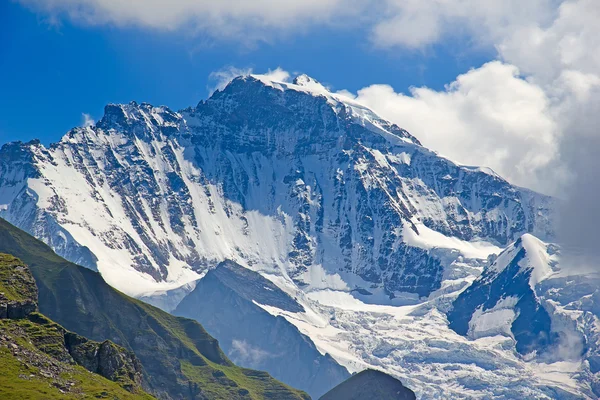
{"type": "Point", "coordinates": [288, 178]}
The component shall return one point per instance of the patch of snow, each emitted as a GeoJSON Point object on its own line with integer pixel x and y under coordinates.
{"type": "Point", "coordinates": [429, 239]}
{"type": "Point", "coordinates": [537, 259]}
{"type": "Point", "coordinates": [495, 321]}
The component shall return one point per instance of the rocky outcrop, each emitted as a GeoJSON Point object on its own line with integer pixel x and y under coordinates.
{"type": "Point", "coordinates": [19, 301]}
{"type": "Point", "coordinates": [12, 309]}
{"type": "Point", "coordinates": [503, 299]}
{"type": "Point", "coordinates": [18, 292]}
{"type": "Point", "coordinates": [106, 359]}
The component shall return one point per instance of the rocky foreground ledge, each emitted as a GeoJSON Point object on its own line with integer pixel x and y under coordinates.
{"type": "Point", "coordinates": [45, 357]}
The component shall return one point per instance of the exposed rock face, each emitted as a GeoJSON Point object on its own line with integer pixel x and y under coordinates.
{"type": "Point", "coordinates": [18, 292]}
{"type": "Point", "coordinates": [370, 384]}
{"type": "Point", "coordinates": [226, 302]}
{"type": "Point", "coordinates": [106, 359]}
{"type": "Point", "coordinates": [282, 175]}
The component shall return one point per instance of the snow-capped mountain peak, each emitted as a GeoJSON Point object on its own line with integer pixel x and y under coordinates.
{"type": "Point", "coordinates": [371, 233]}
{"type": "Point", "coordinates": [536, 262]}
{"type": "Point", "coordinates": [503, 300]}
{"type": "Point", "coordinates": [286, 177]}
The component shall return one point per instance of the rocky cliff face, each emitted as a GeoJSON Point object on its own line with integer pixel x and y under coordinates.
{"type": "Point", "coordinates": [279, 177]}
{"type": "Point", "coordinates": [370, 384]}
{"type": "Point", "coordinates": [503, 299]}
{"type": "Point", "coordinates": [18, 293]}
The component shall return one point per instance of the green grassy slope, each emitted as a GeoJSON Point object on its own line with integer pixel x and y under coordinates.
{"type": "Point", "coordinates": [180, 359]}
{"type": "Point", "coordinates": [39, 359]}
{"type": "Point", "coordinates": [28, 372]}
{"type": "Point", "coordinates": [15, 286]}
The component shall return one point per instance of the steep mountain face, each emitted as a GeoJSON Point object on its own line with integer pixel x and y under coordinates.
{"type": "Point", "coordinates": [370, 384]}
{"type": "Point", "coordinates": [279, 177]}
{"type": "Point", "coordinates": [503, 299]}
{"type": "Point", "coordinates": [39, 359]}
{"type": "Point", "coordinates": [180, 360]}
{"type": "Point", "coordinates": [227, 302]}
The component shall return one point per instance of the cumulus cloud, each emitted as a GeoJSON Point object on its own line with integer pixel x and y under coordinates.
{"type": "Point", "coordinates": [488, 116]}
{"type": "Point", "coordinates": [239, 19]}
{"type": "Point", "coordinates": [415, 23]}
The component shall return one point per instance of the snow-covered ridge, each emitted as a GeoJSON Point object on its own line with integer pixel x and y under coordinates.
{"type": "Point", "coordinates": [339, 101]}
{"type": "Point", "coordinates": [536, 262]}
{"type": "Point", "coordinates": [287, 176]}
{"type": "Point", "coordinates": [503, 300]}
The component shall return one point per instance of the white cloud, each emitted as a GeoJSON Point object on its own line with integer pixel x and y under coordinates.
{"type": "Point", "coordinates": [488, 116]}
{"type": "Point", "coordinates": [418, 23]}
{"type": "Point", "coordinates": [87, 120]}
{"type": "Point", "coordinates": [239, 19]}
{"type": "Point", "coordinates": [278, 74]}
{"type": "Point", "coordinates": [569, 42]}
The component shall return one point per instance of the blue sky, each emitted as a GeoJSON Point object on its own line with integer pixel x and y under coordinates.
{"type": "Point", "coordinates": [55, 72]}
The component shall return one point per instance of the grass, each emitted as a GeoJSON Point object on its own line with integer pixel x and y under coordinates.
{"type": "Point", "coordinates": [24, 370]}
{"type": "Point", "coordinates": [16, 286]}
{"type": "Point", "coordinates": [18, 381]}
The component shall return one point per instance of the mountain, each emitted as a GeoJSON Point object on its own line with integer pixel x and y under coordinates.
{"type": "Point", "coordinates": [227, 302]}
{"type": "Point", "coordinates": [39, 359]}
{"type": "Point", "coordinates": [380, 243]}
{"type": "Point", "coordinates": [286, 177]}
{"type": "Point", "coordinates": [370, 384]}
{"type": "Point", "coordinates": [503, 300]}
{"type": "Point", "coordinates": [179, 359]}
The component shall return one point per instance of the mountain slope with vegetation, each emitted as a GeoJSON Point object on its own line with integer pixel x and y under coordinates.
{"type": "Point", "coordinates": [39, 359]}
{"type": "Point", "coordinates": [180, 359]}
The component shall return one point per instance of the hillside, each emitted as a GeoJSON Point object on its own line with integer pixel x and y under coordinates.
{"type": "Point", "coordinates": [179, 359]}
{"type": "Point", "coordinates": [229, 296]}
{"type": "Point", "coordinates": [39, 359]}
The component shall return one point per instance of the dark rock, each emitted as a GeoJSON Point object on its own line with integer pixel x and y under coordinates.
{"type": "Point", "coordinates": [19, 310]}
{"type": "Point", "coordinates": [107, 359]}
{"type": "Point", "coordinates": [372, 385]}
